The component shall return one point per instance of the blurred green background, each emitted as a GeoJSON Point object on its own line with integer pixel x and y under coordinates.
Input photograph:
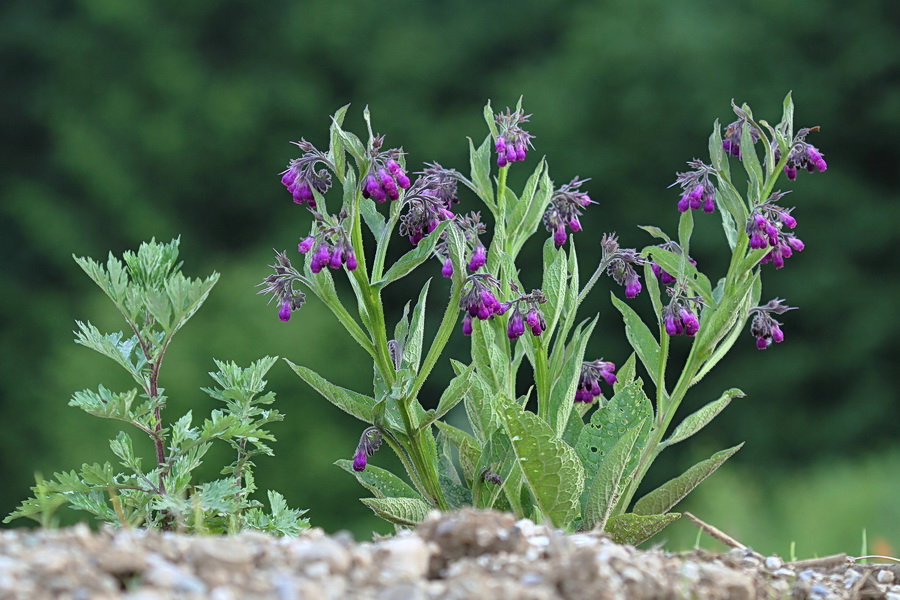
{"type": "Point", "coordinates": [121, 121]}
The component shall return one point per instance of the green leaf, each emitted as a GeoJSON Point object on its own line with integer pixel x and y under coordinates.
{"type": "Point", "coordinates": [606, 487]}
{"type": "Point", "coordinates": [412, 349]}
{"type": "Point", "coordinates": [336, 149]}
{"type": "Point", "coordinates": [480, 409]}
{"type": "Point", "coordinates": [640, 337]}
{"type": "Point", "coordinates": [456, 243]}
{"type": "Point", "coordinates": [717, 321]}
{"type": "Point", "coordinates": [700, 419]}
{"type": "Point", "coordinates": [565, 382]}
{"type": "Point", "coordinates": [626, 374]}
{"type": "Point", "coordinates": [480, 161]}
{"type": "Point", "coordinates": [353, 403]}
{"type": "Point", "coordinates": [633, 529]}
{"type": "Point", "coordinates": [455, 391]}
{"type": "Point", "coordinates": [535, 213]}
{"type": "Point", "coordinates": [412, 259]}
{"type": "Point", "coordinates": [125, 352]}
{"type": "Point", "coordinates": [551, 468]}
{"type": "Point", "coordinates": [628, 410]}
{"type": "Point", "coordinates": [750, 160]}
{"type": "Point", "coordinates": [717, 152]}
{"type": "Point", "coordinates": [105, 404]}
{"type": "Point", "coordinates": [685, 229]}
{"type": "Point", "coordinates": [656, 232]}
{"type": "Point", "coordinates": [123, 447]}
{"type": "Point", "coordinates": [490, 120]}
{"type": "Point", "coordinates": [455, 492]}
{"type": "Point", "coordinates": [402, 511]}
{"type": "Point", "coordinates": [374, 220]}
{"type": "Point", "coordinates": [678, 265]}
{"type": "Point", "coordinates": [517, 212]}
{"type": "Point", "coordinates": [670, 493]}
{"type": "Point", "coordinates": [380, 482]}
{"type": "Point", "coordinates": [554, 285]}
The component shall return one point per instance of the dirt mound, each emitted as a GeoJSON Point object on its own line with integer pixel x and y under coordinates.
{"type": "Point", "coordinates": [467, 554]}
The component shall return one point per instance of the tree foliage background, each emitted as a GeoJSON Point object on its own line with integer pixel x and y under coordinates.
{"type": "Point", "coordinates": [122, 121]}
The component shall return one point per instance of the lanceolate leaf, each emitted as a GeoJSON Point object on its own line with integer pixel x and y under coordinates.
{"type": "Point", "coordinates": [380, 482]}
{"type": "Point", "coordinates": [640, 338]}
{"type": "Point", "coordinates": [605, 489]}
{"type": "Point", "coordinates": [554, 284]}
{"type": "Point", "coordinates": [358, 405]}
{"type": "Point", "coordinates": [480, 161]}
{"type": "Point", "coordinates": [402, 511]}
{"type": "Point", "coordinates": [562, 395]}
{"type": "Point", "coordinates": [551, 468]}
{"type": "Point", "coordinates": [678, 265]}
{"type": "Point", "coordinates": [412, 350]}
{"type": "Point", "coordinates": [625, 374]}
{"type": "Point", "coordinates": [455, 391]}
{"type": "Point", "coordinates": [413, 258]}
{"type": "Point", "coordinates": [633, 529]}
{"type": "Point", "coordinates": [698, 420]}
{"type": "Point", "coordinates": [670, 493]}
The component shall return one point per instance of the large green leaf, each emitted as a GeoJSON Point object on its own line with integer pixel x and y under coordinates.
{"type": "Point", "coordinates": [670, 493]}
{"type": "Point", "coordinates": [565, 381]}
{"type": "Point", "coordinates": [640, 337]}
{"type": "Point", "coordinates": [556, 266]}
{"type": "Point", "coordinates": [551, 468]}
{"type": "Point", "coordinates": [633, 529]}
{"type": "Point", "coordinates": [629, 409]}
{"type": "Point", "coordinates": [606, 488]}
{"type": "Point", "coordinates": [698, 420]}
{"type": "Point", "coordinates": [358, 405]}
{"type": "Point", "coordinates": [380, 482]}
{"type": "Point", "coordinates": [480, 161]}
{"type": "Point", "coordinates": [480, 409]}
{"type": "Point", "coordinates": [402, 511]}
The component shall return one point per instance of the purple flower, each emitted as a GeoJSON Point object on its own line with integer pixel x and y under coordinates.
{"type": "Point", "coordinates": [369, 442]}
{"type": "Point", "coordinates": [512, 141]}
{"type": "Point", "coordinates": [731, 141]}
{"type": "Point", "coordinates": [516, 326]}
{"type": "Point", "coordinates": [360, 461]}
{"type": "Point", "coordinates": [477, 298]}
{"type": "Point", "coordinates": [479, 257]}
{"type": "Point", "coordinates": [765, 227]}
{"type": "Point", "coordinates": [803, 155]}
{"type": "Point", "coordinates": [351, 260]}
{"type": "Point", "coordinates": [301, 176]}
{"type": "Point", "coordinates": [589, 380]}
{"type": "Point", "coordinates": [565, 208]}
{"type": "Point", "coordinates": [620, 263]}
{"type": "Point", "coordinates": [764, 327]}
{"type": "Point", "coordinates": [679, 318]}
{"type": "Point", "coordinates": [385, 174]}
{"type": "Point", "coordinates": [285, 313]}
{"type": "Point", "coordinates": [428, 202]}
{"type": "Point", "coordinates": [447, 269]}
{"type": "Point", "coordinates": [696, 187]}
{"type": "Point", "coordinates": [467, 324]}
{"type": "Point", "coordinates": [280, 284]}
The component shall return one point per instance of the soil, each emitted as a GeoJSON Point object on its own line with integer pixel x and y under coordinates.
{"type": "Point", "coordinates": [463, 555]}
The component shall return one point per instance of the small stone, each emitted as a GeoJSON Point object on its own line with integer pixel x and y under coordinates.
{"type": "Point", "coordinates": [885, 576]}
{"type": "Point", "coordinates": [893, 596]}
{"type": "Point", "coordinates": [120, 562]}
{"type": "Point", "coordinates": [773, 563]}
{"type": "Point", "coordinates": [818, 590]}
{"type": "Point", "coordinates": [403, 591]}
{"type": "Point", "coordinates": [784, 572]}
{"type": "Point", "coordinates": [405, 556]}
{"type": "Point", "coordinates": [807, 575]}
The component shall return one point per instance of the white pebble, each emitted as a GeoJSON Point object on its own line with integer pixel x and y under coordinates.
{"type": "Point", "coordinates": [885, 576]}
{"type": "Point", "coordinates": [773, 563]}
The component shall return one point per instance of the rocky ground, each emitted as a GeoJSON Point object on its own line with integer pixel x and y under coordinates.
{"type": "Point", "coordinates": [463, 555]}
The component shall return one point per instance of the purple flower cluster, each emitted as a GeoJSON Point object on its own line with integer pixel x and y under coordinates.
{"type": "Point", "coordinates": [765, 228]}
{"type": "Point", "coordinates": [526, 304]}
{"type": "Point", "coordinates": [472, 228]}
{"type": "Point", "coordinates": [329, 247]}
{"type": "Point", "coordinates": [620, 263]}
{"type": "Point", "coordinates": [385, 177]}
{"type": "Point", "coordinates": [369, 443]}
{"type": "Point", "coordinates": [696, 188]}
{"type": "Point", "coordinates": [589, 380]}
{"type": "Point", "coordinates": [679, 318]}
{"type": "Point", "coordinates": [428, 202]}
{"type": "Point", "coordinates": [731, 142]}
{"type": "Point", "coordinates": [512, 141]}
{"type": "Point", "coordinates": [281, 285]}
{"type": "Point", "coordinates": [764, 327]}
{"type": "Point", "coordinates": [564, 210]}
{"type": "Point", "coordinates": [478, 300]}
{"type": "Point", "coordinates": [301, 176]}
{"type": "Point", "coordinates": [803, 155]}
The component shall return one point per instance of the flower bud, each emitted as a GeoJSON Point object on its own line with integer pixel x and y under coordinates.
{"type": "Point", "coordinates": [304, 246]}
{"type": "Point", "coordinates": [285, 312]}
{"type": "Point", "coordinates": [447, 269]}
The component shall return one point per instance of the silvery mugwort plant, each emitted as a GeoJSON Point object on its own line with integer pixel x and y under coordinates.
{"type": "Point", "coordinates": [578, 459]}
{"type": "Point", "coordinates": [156, 300]}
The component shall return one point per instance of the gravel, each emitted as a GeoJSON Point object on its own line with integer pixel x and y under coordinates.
{"type": "Point", "coordinates": [468, 555]}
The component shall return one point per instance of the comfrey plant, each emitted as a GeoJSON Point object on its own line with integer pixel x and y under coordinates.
{"type": "Point", "coordinates": [156, 300]}
{"type": "Point", "coordinates": [578, 459]}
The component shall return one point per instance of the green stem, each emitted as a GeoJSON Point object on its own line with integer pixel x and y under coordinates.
{"type": "Point", "coordinates": [500, 216]}
{"type": "Point", "coordinates": [428, 476]}
{"type": "Point", "coordinates": [410, 470]}
{"type": "Point", "coordinates": [542, 380]}
{"type": "Point", "coordinates": [661, 397]}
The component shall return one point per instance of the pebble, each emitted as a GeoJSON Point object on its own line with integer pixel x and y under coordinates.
{"type": "Point", "coordinates": [405, 556]}
{"type": "Point", "coordinates": [885, 576]}
{"type": "Point", "coordinates": [773, 563]}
